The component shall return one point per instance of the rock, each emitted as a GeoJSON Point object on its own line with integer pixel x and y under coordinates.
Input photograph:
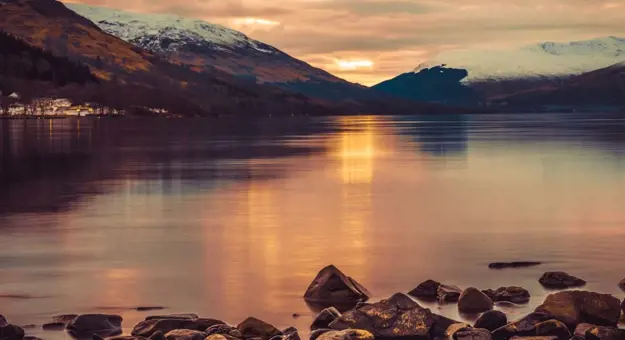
{"type": "Point", "coordinates": [148, 327]}
{"type": "Point", "coordinates": [88, 324]}
{"type": "Point", "coordinates": [560, 280]}
{"type": "Point", "coordinates": [324, 318]}
{"type": "Point", "coordinates": [224, 329]}
{"type": "Point", "coordinates": [443, 327]}
{"type": "Point", "coordinates": [53, 326]}
{"type": "Point", "coordinates": [622, 284]}
{"type": "Point", "coordinates": [473, 301]}
{"type": "Point", "coordinates": [427, 290]}
{"type": "Point", "coordinates": [11, 332]}
{"type": "Point", "coordinates": [317, 333]}
{"type": "Point", "coordinates": [473, 334]}
{"type": "Point", "coordinates": [605, 333]}
{"type": "Point", "coordinates": [348, 334]}
{"type": "Point", "coordinates": [158, 335]}
{"type": "Point", "coordinates": [252, 327]}
{"type": "Point", "coordinates": [65, 318]}
{"type": "Point", "coordinates": [148, 308]}
{"type": "Point", "coordinates": [516, 264]}
{"type": "Point", "coordinates": [221, 337]}
{"type": "Point", "coordinates": [188, 316]}
{"type": "Point", "coordinates": [295, 315]}
{"type": "Point", "coordinates": [332, 286]}
{"type": "Point", "coordinates": [553, 328]}
{"type": "Point", "coordinates": [523, 327]}
{"type": "Point", "coordinates": [537, 338]}
{"type": "Point", "coordinates": [397, 316]}
{"type": "Point", "coordinates": [491, 320]}
{"type": "Point", "coordinates": [575, 307]}
{"type": "Point", "coordinates": [581, 329]}
{"type": "Point", "coordinates": [453, 329]}
{"type": "Point", "coordinates": [290, 333]}
{"type": "Point", "coordinates": [512, 294]}
{"type": "Point", "coordinates": [30, 337]}
{"type": "Point", "coordinates": [185, 334]}
{"type": "Point", "coordinates": [97, 337]}
{"type": "Point", "coordinates": [3, 321]}
{"type": "Point", "coordinates": [448, 293]}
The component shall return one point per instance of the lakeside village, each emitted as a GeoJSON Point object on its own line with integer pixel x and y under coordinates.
{"type": "Point", "coordinates": [12, 106]}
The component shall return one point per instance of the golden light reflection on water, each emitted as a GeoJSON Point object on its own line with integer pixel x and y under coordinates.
{"type": "Point", "coordinates": [357, 150]}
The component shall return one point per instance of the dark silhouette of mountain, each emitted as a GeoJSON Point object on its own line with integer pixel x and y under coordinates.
{"type": "Point", "coordinates": [435, 85]}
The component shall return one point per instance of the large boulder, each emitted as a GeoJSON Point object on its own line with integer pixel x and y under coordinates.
{"type": "Point", "coordinates": [185, 334]}
{"type": "Point", "coordinates": [512, 294]}
{"type": "Point", "coordinates": [472, 334]}
{"type": "Point", "coordinates": [426, 290]}
{"type": "Point", "coordinates": [148, 327]}
{"type": "Point", "coordinates": [188, 316]}
{"type": "Point", "coordinates": [575, 307]}
{"type": "Point", "coordinates": [443, 327]}
{"type": "Point", "coordinates": [348, 334]}
{"type": "Point", "coordinates": [560, 280]}
{"type": "Point", "coordinates": [255, 328]}
{"type": "Point", "coordinates": [491, 320]}
{"type": "Point", "coordinates": [331, 286]}
{"type": "Point", "coordinates": [448, 293]}
{"type": "Point", "coordinates": [605, 333]}
{"type": "Point", "coordinates": [553, 328]}
{"type": "Point", "coordinates": [318, 332]}
{"type": "Point", "coordinates": [473, 301]}
{"type": "Point", "coordinates": [395, 317]}
{"type": "Point", "coordinates": [86, 325]}
{"type": "Point", "coordinates": [324, 318]}
{"type": "Point", "coordinates": [11, 332]}
{"type": "Point", "coordinates": [525, 326]}
{"type": "Point", "coordinates": [224, 329]}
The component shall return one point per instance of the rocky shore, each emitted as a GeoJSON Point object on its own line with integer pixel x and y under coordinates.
{"type": "Point", "coordinates": [563, 315]}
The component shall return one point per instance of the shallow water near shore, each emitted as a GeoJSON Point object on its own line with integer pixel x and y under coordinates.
{"type": "Point", "coordinates": [232, 219]}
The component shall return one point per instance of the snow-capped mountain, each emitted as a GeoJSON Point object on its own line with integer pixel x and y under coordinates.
{"type": "Point", "coordinates": [543, 60]}
{"type": "Point", "coordinates": [202, 45]}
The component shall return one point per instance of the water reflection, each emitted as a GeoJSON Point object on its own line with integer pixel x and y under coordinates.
{"type": "Point", "coordinates": [439, 136]}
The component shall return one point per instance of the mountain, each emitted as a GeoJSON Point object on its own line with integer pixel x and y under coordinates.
{"type": "Point", "coordinates": [437, 84]}
{"type": "Point", "coordinates": [203, 45]}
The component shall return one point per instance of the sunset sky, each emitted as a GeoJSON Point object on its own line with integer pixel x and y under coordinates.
{"type": "Point", "coordinates": [368, 41]}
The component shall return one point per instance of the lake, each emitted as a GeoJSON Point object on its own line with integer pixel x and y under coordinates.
{"type": "Point", "coordinates": [230, 219]}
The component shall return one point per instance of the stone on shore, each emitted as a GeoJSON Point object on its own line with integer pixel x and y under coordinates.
{"type": "Point", "coordinates": [348, 334]}
{"type": "Point", "coordinates": [441, 327]}
{"type": "Point", "coordinates": [65, 318]}
{"type": "Point", "coordinates": [514, 264]}
{"type": "Point", "coordinates": [453, 329]}
{"type": "Point", "coordinates": [324, 318]}
{"type": "Point", "coordinates": [3, 321]}
{"type": "Point", "coordinates": [537, 338]}
{"type": "Point", "coordinates": [605, 333]}
{"type": "Point", "coordinates": [129, 337]}
{"type": "Point", "coordinates": [397, 316]}
{"type": "Point", "coordinates": [289, 333]}
{"type": "Point", "coordinates": [224, 329]}
{"type": "Point", "coordinates": [581, 329]}
{"type": "Point", "coordinates": [560, 280]}
{"type": "Point", "coordinates": [148, 327]}
{"type": "Point", "coordinates": [553, 328]}
{"type": "Point", "coordinates": [185, 334]}
{"type": "Point", "coordinates": [473, 301]}
{"type": "Point", "coordinates": [426, 290]}
{"type": "Point", "coordinates": [332, 286]}
{"type": "Point", "coordinates": [53, 326]}
{"type": "Point", "coordinates": [89, 324]}
{"type": "Point", "coordinates": [11, 332]}
{"type": "Point", "coordinates": [575, 307]}
{"type": "Point", "coordinates": [220, 337]}
{"type": "Point", "coordinates": [188, 316]}
{"type": "Point", "coordinates": [448, 293]}
{"type": "Point", "coordinates": [255, 328]}
{"type": "Point", "coordinates": [525, 326]}
{"type": "Point", "coordinates": [472, 334]}
{"type": "Point", "coordinates": [491, 320]}
{"type": "Point", "coordinates": [317, 333]}
{"type": "Point", "coordinates": [158, 335]}
{"type": "Point", "coordinates": [512, 294]}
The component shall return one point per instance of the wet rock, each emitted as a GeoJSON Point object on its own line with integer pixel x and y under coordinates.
{"type": "Point", "coordinates": [537, 338]}
{"type": "Point", "coordinates": [295, 315]}
{"type": "Point", "coordinates": [526, 326]}
{"type": "Point", "coordinates": [224, 329]}
{"type": "Point", "coordinates": [324, 318]}
{"type": "Point", "coordinates": [512, 294]}
{"type": "Point", "coordinates": [86, 325]}
{"type": "Point", "coordinates": [11, 332]}
{"type": "Point", "coordinates": [473, 301]}
{"type": "Point", "coordinates": [53, 326]}
{"type": "Point", "coordinates": [553, 328]}
{"type": "Point", "coordinates": [148, 327]}
{"type": "Point", "coordinates": [3, 321]}
{"type": "Point", "coordinates": [581, 329]}
{"type": "Point", "coordinates": [443, 327]}
{"type": "Point", "coordinates": [188, 316]}
{"type": "Point", "coordinates": [317, 333]}
{"type": "Point", "coordinates": [220, 337]}
{"type": "Point", "coordinates": [397, 316]}
{"type": "Point", "coordinates": [515, 264]}
{"type": "Point", "coordinates": [185, 334]}
{"type": "Point", "coordinates": [290, 333]}
{"type": "Point", "coordinates": [575, 307]}
{"type": "Point", "coordinates": [30, 337]}
{"type": "Point", "coordinates": [252, 327]}
{"type": "Point", "coordinates": [427, 290]}
{"type": "Point", "coordinates": [148, 308]}
{"type": "Point", "coordinates": [65, 318]}
{"type": "Point", "coordinates": [348, 334]}
{"type": "Point", "coordinates": [97, 337]}
{"type": "Point", "coordinates": [448, 293]}
{"type": "Point", "coordinates": [472, 334]}
{"type": "Point", "coordinates": [605, 333]}
{"type": "Point", "coordinates": [158, 335]}
{"type": "Point", "coordinates": [453, 329]}
{"type": "Point", "coordinates": [560, 280]}
{"type": "Point", "coordinates": [491, 320]}
{"type": "Point", "coordinates": [332, 286]}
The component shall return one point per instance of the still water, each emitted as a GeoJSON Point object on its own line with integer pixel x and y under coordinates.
{"type": "Point", "coordinates": [230, 219]}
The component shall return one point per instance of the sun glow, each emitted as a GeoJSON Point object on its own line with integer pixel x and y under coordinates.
{"type": "Point", "coordinates": [255, 22]}
{"type": "Point", "coordinates": [353, 64]}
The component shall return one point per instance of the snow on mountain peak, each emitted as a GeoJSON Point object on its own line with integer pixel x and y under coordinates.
{"type": "Point", "coordinates": [166, 33]}
{"type": "Point", "coordinates": [548, 59]}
